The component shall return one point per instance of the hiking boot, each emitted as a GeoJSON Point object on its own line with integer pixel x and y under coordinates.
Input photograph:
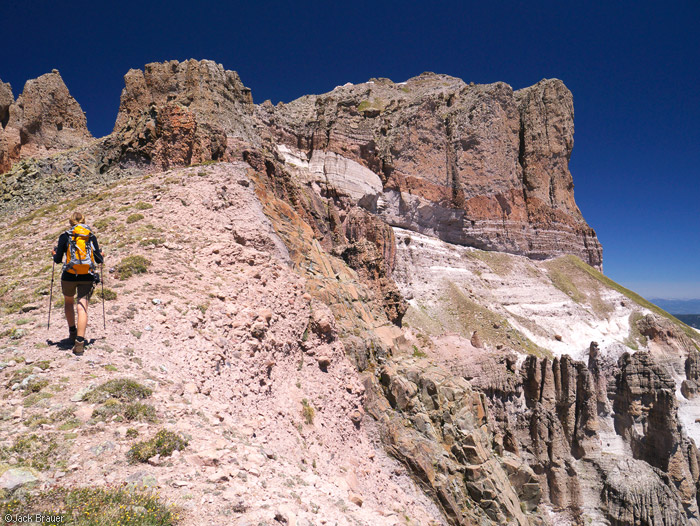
{"type": "Point", "coordinates": [72, 334]}
{"type": "Point", "coordinates": [79, 348]}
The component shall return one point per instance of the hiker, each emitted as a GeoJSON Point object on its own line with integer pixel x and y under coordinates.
{"type": "Point", "coordinates": [80, 247]}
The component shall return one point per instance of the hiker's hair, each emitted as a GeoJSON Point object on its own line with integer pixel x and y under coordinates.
{"type": "Point", "coordinates": [76, 218]}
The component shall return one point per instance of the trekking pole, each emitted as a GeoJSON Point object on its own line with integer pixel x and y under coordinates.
{"type": "Point", "coordinates": [53, 268]}
{"type": "Point", "coordinates": [102, 271]}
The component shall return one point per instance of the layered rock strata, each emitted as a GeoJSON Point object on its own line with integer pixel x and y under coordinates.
{"type": "Point", "coordinates": [478, 165]}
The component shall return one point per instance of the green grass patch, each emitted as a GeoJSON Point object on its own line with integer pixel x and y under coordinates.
{"type": "Point", "coordinates": [34, 398]}
{"type": "Point", "coordinates": [371, 107]}
{"type": "Point", "coordinates": [492, 328]}
{"type": "Point", "coordinates": [133, 218]}
{"type": "Point", "coordinates": [131, 265]}
{"type": "Point", "coordinates": [134, 411]}
{"type": "Point", "coordinates": [143, 206]}
{"type": "Point", "coordinates": [417, 353]}
{"type": "Point", "coordinates": [35, 385]}
{"type": "Point", "coordinates": [151, 241]}
{"type": "Point", "coordinates": [137, 411]}
{"type": "Point", "coordinates": [95, 506]}
{"type": "Point", "coordinates": [163, 444]}
{"type": "Point", "coordinates": [109, 294]}
{"type": "Point", "coordinates": [40, 452]}
{"type": "Point", "coordinates": [103, 223]}
{"type": "Point", "coordinates": [499, 263]}
{"type": "Point", "coordinates": [120, 389]}
{"type": "Point", "coordinates": [562, 281]}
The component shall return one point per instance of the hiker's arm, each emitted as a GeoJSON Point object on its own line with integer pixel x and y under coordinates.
{"type": "Point", "coordinates": [99, 257]}
{"type": "Point", "coordinates": [61, 248]}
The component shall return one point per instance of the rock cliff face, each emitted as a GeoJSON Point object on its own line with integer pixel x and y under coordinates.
{"type": "Point", "coordinates": [44, 119]}
{"type": "Point", "coordinates": [214, 97]}
{"type": "Point", "coordinates": [475, 165]}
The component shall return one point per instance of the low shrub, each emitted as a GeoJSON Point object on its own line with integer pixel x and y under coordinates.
{"type": "Point", "coordinates": [307, 411]}
{"type": "Point", "coordinates": [133, 218]}
{"type": "Point", "coordinates": [95, 506]}
{"type": "Point", "coordinates": [163, 444]}
{"type": "Point", "coordinates": [109, 294]}
{"type": "Point", "coordinates": [131, 265]}
{"type": "Point", "coordinates": [120, 389]}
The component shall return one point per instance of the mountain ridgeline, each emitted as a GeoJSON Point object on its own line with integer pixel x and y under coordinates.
{"type": "Point", "coordinates": [403, 318]}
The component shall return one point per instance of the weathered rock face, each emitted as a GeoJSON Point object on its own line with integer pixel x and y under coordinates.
{"type": "Point", "coordinates": [370, 250]}
{"type": "Point", "coordinates": [557, 426]}
{"type": "Point", "coordinates": [428, 414]}
{"type": "Point", "coordinates": [163, 137]}
{"type": "Point", "coordinates": [476, 165]}
{"type": "Point", "coordinates": [646, 415]}
{"type": "Point", "coordinates": [213, 96]}
{"type": "Point", "coordinates": [9, 137]}
{"type": "Point", "coordinates": [691, 384]}
{"type": "Point", "coordinates": [44, 119]}
{"type": "Point", "coordinates": [648, 500]}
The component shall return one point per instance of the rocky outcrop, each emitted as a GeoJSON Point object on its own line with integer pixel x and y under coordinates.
{"type": "Point", "coordinates": [665, 334]}
{"type": "Point", "coordinates": [560, 424]}
{"type": "Point", "coordinates": [371, 250]}
{"type": "Point", "coordinates": [647, 501]}
{"type": "Point", "coordinates": [437, 424]}
{"type": "Point", "coordinates": [646, 415]}
{"type": "Point", "coordinates": [164, 137]}
{"type": "Point", "coordinates": [9, 137]}
{"type": "Point", "coordinates": [479, 165]}
{"type": "Point", "coordinates": [45, 119]}
{"type": "Point", "coordinates": [691, 385]}
{"type": "Point", "coordinates": [213, 96]}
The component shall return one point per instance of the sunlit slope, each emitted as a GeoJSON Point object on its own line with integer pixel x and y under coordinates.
{"type": "Point", "coordinates": [552, 307]}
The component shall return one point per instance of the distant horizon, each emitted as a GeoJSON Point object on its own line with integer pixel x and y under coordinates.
{"type": "Point", "coordinates": [635, 161]}
{"type": "Point", "coordinates": [679, 307]}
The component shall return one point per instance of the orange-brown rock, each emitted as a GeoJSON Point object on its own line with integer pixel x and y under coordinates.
{"type": "Point", "coordinates": [213, 95]}
{"type": "Point", "coordinates": [44, 119]}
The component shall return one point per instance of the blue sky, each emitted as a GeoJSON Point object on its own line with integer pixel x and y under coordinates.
{"type": "Point", "coordinates": [633, 67]}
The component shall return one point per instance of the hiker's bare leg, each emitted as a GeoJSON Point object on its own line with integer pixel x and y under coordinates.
{"type": "Point", "coordinates": [82, 316]}
{"type": "Point", "coordinates": [68, 307]}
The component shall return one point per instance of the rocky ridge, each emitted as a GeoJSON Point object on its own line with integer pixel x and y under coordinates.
{"type": "Point", "coordinates": [474, 369]}
{"type": "Point", "coordinates": [479, 165]}
{"type": "Point", "coordinates": [45, 119]}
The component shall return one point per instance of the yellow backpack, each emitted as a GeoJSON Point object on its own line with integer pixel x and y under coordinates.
{"type": "Point", "coordinates": [79, 258]}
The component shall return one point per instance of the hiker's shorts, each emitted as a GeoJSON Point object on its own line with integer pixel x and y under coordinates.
{"type": "Point", "coordinates": [84, 288]}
